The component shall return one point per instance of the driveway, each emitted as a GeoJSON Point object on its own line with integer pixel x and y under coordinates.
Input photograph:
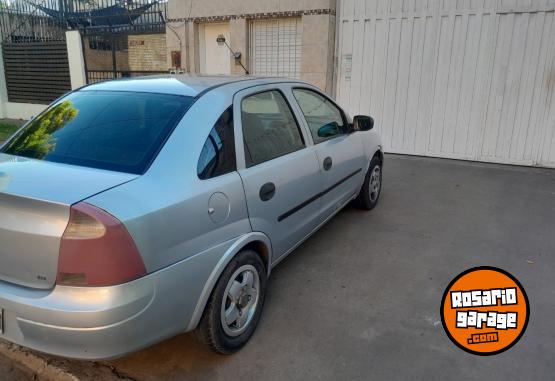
{"type": "Point", "coordinates": [360, 299]}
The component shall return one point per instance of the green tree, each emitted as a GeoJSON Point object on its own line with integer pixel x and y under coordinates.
{"type": "Point", "coordinates": [36, 140]}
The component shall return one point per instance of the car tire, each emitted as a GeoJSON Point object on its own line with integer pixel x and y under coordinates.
{"type": "Point", "coordinates": [371, 189]}
{"type": "Point", "coordinates": [244, 300]}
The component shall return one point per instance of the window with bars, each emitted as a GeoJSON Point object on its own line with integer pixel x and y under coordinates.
{"type": "Point", "coordinates": [275, 47]}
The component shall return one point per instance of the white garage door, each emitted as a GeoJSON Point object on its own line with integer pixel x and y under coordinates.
{"type": "Point", "coordinates": [275, 47]}
{"type": "Point", "coordinates": [467, 79]}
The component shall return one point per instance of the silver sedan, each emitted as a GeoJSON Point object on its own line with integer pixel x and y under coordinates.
{"type": "Point", "coordinates": [134, 210]}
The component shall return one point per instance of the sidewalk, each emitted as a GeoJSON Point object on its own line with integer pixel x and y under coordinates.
{"type": "Point", "coordinates": [12, 372]}
{"type": "Point", "coordinates": [21, 364]}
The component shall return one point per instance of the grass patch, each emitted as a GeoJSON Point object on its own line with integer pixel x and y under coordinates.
{"type": "Point", "coordinates": [7, 129]}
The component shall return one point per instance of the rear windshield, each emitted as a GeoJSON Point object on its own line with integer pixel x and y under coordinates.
{"type": "Point", "coordinates": [113, 130]}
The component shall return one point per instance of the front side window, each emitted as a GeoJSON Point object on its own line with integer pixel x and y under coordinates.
{"type": "Point", "coordinates": [218, 153]}
{"type": "Point", "coordinates": [269, 127]}
{"type": "Point", "coordinates": [112, 130]}
{"type": "Point", "coordinates": [323, 117]}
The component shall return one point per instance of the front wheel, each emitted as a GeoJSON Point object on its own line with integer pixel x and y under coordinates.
{"type": "Point", "coordinates": [234, 308]}
{"type": "Point", "coordinates": [372, 186]}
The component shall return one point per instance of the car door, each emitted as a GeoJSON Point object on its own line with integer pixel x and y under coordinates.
{"type": "Point", "coordinates": [340, 152]}
{"type": "Point", "coordinates": [280, 171]}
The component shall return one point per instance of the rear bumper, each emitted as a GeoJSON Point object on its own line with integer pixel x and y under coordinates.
{"type": "Point", "coordinates": [107, 322]}
{"type": "Point", "coordinates": [86, 323]}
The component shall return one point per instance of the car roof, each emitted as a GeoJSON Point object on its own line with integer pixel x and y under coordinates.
{"type": "Point", "coordinates": [180, 84]}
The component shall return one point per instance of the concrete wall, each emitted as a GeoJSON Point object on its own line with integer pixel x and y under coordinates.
{"type": "Point", "coordinates": [318, 40]}
{"type": "Point", "coordinates": [318, 50]}
{"type": "Point", "coordinates": [217, 8]}
{"type": "Point", "coordinates": [75, 59]}
{"type": "Point", "coordinates": [238, 30]}
{"type": "Point", "coordinates": [23, 111]}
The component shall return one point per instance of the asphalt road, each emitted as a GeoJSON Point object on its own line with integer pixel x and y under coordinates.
{"type": "Point", "coordinates": [360, 299]}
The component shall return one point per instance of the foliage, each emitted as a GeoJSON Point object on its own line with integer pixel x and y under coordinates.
{"type": "Point", "coordinates": [37, 140]}
{"type": "Point", "coordinates": [7, 130]}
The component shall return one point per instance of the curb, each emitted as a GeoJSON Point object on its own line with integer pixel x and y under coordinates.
{"type": "Point", "coordinates": [38, 366]}
{"type": "Point", "coordinates": [44, 368]}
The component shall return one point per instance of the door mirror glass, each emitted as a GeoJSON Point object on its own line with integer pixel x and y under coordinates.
{"type": "Point", "coordinates": [363, 123]}
{"type": "Point", "coordinates": [328, 130]}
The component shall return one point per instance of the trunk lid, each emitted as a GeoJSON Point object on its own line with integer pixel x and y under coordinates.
{"type": "Point", "coordinates": [35, 200]}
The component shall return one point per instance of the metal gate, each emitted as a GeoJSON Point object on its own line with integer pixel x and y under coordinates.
{"type": "Point", "coordinates": [36, 72]}
{"type": "Point", "coordinates": [118, 50]}
{"type": "Point", "coordinates": [460, 79]}
{"type": "Point", "coordinates": [34, 53]}
{"type": "Point", "coordinates": [110, 55]}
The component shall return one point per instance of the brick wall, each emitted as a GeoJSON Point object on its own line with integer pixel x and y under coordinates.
{"type": "Point", "coordinates": [144, 52]}
{"type": "Point", "coordinates": [147, 52]}
{"type": "Point", "coordinates": [99, 59]}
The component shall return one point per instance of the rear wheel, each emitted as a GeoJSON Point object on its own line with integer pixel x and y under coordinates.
{"type": "Point", "coordinates": [234, 308]}
{"type": "Point", "coordinates": [372, 186]}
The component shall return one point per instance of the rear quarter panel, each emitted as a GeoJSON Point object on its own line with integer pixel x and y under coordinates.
{"type": "Point", "coordinates": [166, 210]}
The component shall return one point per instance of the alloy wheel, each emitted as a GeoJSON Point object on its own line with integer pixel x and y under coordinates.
{"type": "Point", "coordinates": [240, 300]}
{"type": "Point", "coordinates": [375, 183]}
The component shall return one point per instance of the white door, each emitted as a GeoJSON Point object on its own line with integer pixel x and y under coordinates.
{"type": "Point", "coordinates": [275, 47]}
{"type": "Point", "coordinates": [217, 57]}
{"type": "Point", "coordinates": [460, 79]}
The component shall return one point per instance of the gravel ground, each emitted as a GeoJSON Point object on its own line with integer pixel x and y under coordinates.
{"type": "Point", "coordinates": [9, 371]}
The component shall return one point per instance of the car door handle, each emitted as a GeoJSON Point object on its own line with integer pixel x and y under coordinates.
{"type": "Point", "coordinates": [267, 191]}
{"type": "Point", "coordinates": [327, 163]}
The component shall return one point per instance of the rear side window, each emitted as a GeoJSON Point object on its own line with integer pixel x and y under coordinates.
{"type": "Point", "coordinates": [112, 130]}
{"type": "Point", "coordinates": [269, 127]}
{"type": "Point", "coordinates": [218, 153]}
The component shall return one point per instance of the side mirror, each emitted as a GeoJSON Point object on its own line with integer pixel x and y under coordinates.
{"type": "Point", "coordinates": [363, 123]}
{"type": "Point", "coordinates": [327, 130]}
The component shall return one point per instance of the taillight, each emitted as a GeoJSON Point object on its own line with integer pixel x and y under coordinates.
{"type": "Point", "coordinates": [97, 250]}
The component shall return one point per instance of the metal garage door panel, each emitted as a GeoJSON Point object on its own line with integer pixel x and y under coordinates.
{"type": "Point", "coordinates": [460, 79]}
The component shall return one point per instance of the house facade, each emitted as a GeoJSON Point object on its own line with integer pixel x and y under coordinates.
{"type": "Point", "coordinates": [276, 38]}
{"type": "Point", "coordinates": [463, 79]}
